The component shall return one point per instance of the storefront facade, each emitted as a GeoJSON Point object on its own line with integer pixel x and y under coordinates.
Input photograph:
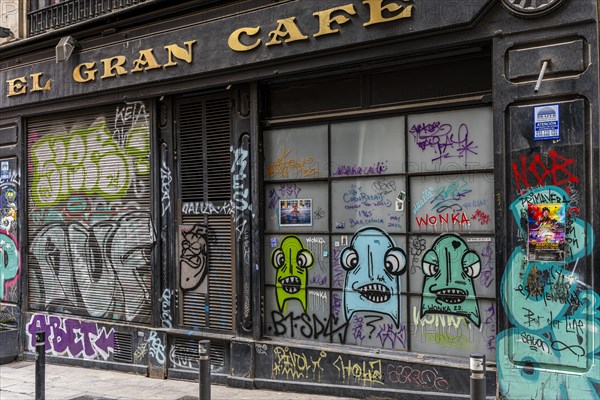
{"type": "Point", "coordinates": [345, 197]}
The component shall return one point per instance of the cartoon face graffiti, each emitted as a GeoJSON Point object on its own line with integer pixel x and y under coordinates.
{"type": "Point", "coordinates": [374, 265]}
{"type": "Point", "coordinates": [449, 268]}
{"type": "Point", "coordinates": [292, 262]}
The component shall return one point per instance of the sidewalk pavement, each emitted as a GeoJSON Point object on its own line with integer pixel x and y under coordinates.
{"type": "Point", "coordinates": [17, 382]}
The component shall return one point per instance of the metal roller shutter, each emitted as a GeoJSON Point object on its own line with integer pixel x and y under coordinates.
{"type": "Point", "coordinates": [204, 132]}
{"type": "Point", "coordinates": [90, 230]}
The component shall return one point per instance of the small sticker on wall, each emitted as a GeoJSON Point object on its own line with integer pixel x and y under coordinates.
{"type": "Point", "coordinates": [339, 225]}
{"type": "Point", "coordinates": [479, 239]}
{"type": "Point", "coordinates": [344, 240]}
{"type": "Point", "coordinates": [546, 122]}
{"type": "Point", "coordinates": [336, 244]}
{"type": "Point", "coordinates": [5, 171]}
{"type": "Point", "coordinates": [325, 253]}
{"type": "Point", "coordinates": [273, 242]}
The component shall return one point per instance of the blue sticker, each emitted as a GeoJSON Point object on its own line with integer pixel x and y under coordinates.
{"type": "Point", "coordinates": [273, 242]}
{"type": "Point", "coordinates": [546, 122]}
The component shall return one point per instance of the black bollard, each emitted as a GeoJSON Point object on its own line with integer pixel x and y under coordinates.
{"type": "Point", "coordinates": [40, 365]}
{"type": "Point", "coordinates": [477, 376]}
{"type": "Point", "coordinates": [204, 368]}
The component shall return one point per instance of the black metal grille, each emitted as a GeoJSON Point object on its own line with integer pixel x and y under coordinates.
{"type": "Point", "coordinates": [123, 347]}
{"type": "Point", "coordinates": [204, 130]}
{"type": "Point", "coordinates": [53, 14]}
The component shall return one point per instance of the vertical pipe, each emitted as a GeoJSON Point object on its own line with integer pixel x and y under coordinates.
{"type": "Point", "coordinates": [204, 369]}
{"type": "Point", "coordinates": [40, 365]}
{"type": "Point", "coordinates": [477, 376]}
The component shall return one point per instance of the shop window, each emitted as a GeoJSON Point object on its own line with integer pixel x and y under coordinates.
{"type": "Point", "coordinates": [380, 233]}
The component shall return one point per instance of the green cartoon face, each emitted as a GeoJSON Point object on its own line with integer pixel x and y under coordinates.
{"type": "Point", "coordinates": [449, 268]}
{"type": "Point", "coordinates": [292, 262]}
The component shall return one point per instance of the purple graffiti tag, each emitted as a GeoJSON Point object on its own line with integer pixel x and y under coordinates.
{"type": "Point", "coordinates": [487, 267]}
{"type": "Point", "coordinates": [74, 337]}
{"type": "Point", "coordinates": [387, 332]}
{"type": "Point", "coordinates": [443, 140]}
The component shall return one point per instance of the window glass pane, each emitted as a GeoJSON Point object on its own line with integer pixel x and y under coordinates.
{"type": "Point", "coordinates": [360, 202]}
{"type": "Point", "coordinates": [296, 153]}
{"type": "Point", "coordinates": [296, 207]}
{"type": "Point", "coordinates": [484, 284]}
{"type": "Point", "coordinates": [450, 140]}
{"type": "Point", "coordinates": [381, 331]}
{"type": "Point", "coordinates": [317, 274]}
{"type": "Point", "coordinates": [455, 203]}
{"type": "Point", "coordinates": [444, 334]}
{"type": "Point", "coordinates": [371, 147]}
{"type": "Point", "coordinates": [341, 242]}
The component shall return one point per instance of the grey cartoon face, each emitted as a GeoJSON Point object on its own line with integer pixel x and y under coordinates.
{"type": "Point", "coordinates": [449, 268]}
{"type": "Point", "coordinates": [374, 265]}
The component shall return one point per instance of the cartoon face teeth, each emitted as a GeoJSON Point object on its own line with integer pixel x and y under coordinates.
{"type": "Point", "coordinates": [450, 296]}
{"type": "Point", "coordinates": [375, 292]}
{"type": "Point", "coordinates": [291, 284]}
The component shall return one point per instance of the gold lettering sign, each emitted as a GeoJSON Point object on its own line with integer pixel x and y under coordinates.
{"type": "Point", "coordinates": [17, 86]}
{"type": "Point", "coordinates": [235, 42]}
{"type": "Point", "coordinates": [325, 19]}
{"type": "Point", "coordinates": [145, 61]}
{"type": "Point", "coordinates": [286, 28]}
{"type": "Point", "coordinates": [90, 74]}
{"type": "Point", "coordinates": [376, 9]}
{"type": "Point", "coordinates": [179, 53]}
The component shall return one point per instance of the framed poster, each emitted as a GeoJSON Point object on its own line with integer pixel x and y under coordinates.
{"type": "Point", "coordinates": [546, 232]}
{"type": "Point", "coordinates": [296, 212]}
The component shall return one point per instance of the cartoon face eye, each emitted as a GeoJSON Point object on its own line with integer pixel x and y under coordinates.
{"type": "Point", "coordinates": [395, 261]}
{"type": "Point", "coordinates": [349, 258]}
{"type": "Point", "coordinates": [304, 259]}
{"type": "Point", "coordinates": [278, 259]}
{"type": "Point", "coordinates": [471, 264]}
{"type": "Point", "coordinates": [430, 263]}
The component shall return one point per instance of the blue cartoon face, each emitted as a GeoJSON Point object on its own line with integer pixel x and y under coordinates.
{"type": "Point", "coordinates": [374, 265]}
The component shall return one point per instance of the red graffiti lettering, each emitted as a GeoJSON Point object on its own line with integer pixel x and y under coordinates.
{"type": "Point", "coordinates": [557, 167]}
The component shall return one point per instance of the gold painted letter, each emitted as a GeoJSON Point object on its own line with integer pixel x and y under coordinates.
{"type": "Point", "coordinates": [180, 53]}
{"type": "Point", "coordinates": [36, 83]}
{"type": "Point", "coordinates": [145, 61]}
{"type": "Point", "coordinates": [110, 67]}
{"type": "Point", "coordinates": [16, 86]}
{"type": "Point", "coordinates": [376, 11]}
{"type": "Point", "coordinates": [325, 19]}
{"type": "Point", "coordinates": [234, 39]}
{"type": "Point", "coordinates": [90, 74]}
{"type": "Point", "coordinates": [291, 30]}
